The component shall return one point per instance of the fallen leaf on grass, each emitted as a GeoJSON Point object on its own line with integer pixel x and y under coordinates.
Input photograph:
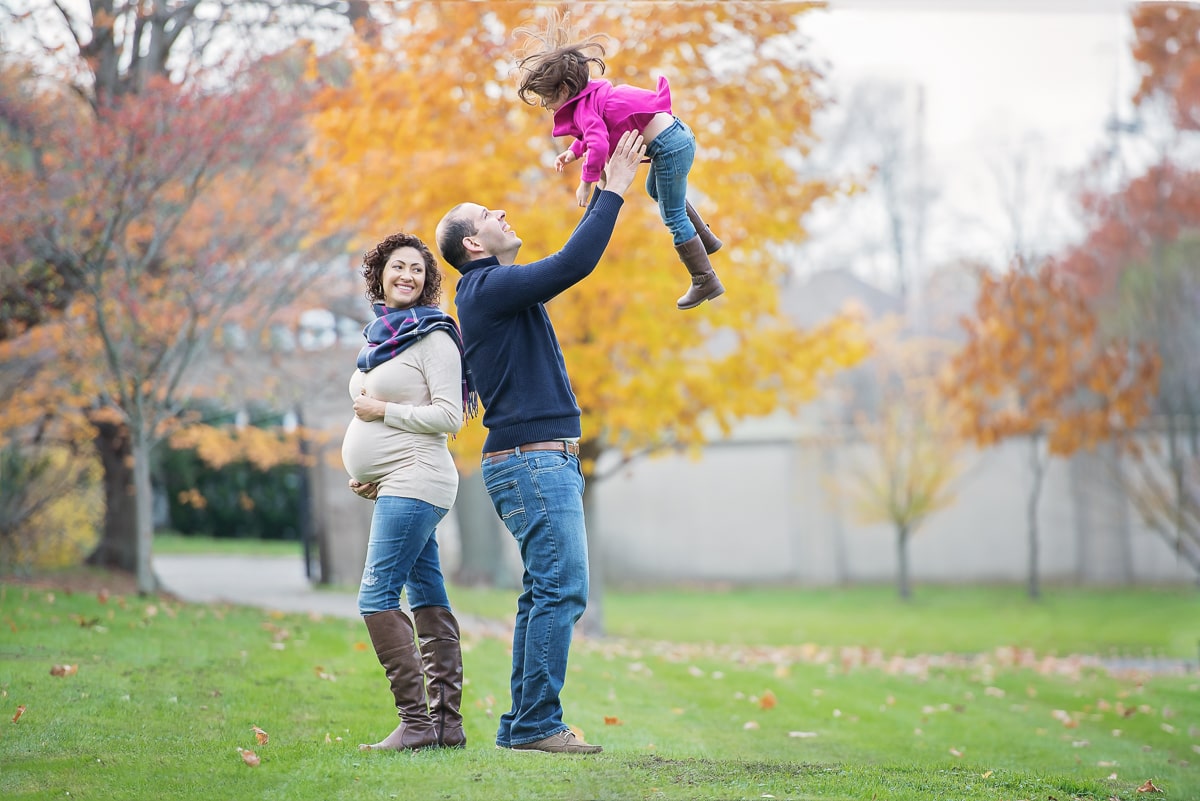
{"type": "Point", "coordinates": [20, 711]}
{"type": "Point", "coordinates": [954, 752]}
{"type": "Point", "coordinates": [749, 725]}
{"type": "Point", "coordinates": [360, 646]}
{"type": "Point", "coordinates": [64, 670]}
{"type": "Point", "coordinates": [612, 720]}
{"type": "Point", "coordinates": [249, 757]}
{"type": "Point", "coordinates": [1148, 787]}
{"type": "Point", "coordinates": [768, 700]}
{"type": "Point", "coordinates": [260, 735]}
{"type": "Point", "coordinates": [804, 735]}
{"type": "Point", "coordinates": [321, 674]}
{"type": "Point", "coordinates": [1064, 717]}
{"type": "Point", "coordinates": [986, 774]}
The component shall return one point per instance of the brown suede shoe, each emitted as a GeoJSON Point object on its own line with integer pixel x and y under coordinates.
{"type": "Point", "coordinates": [565, 742]}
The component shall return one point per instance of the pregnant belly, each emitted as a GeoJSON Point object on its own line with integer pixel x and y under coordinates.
{"type": "Point", "coordinates": [370, 450]}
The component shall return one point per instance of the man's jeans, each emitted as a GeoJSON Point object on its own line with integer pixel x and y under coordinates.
{"type": "Point", "coordinates": [671, 155]}
{"type": "Point", "coordinates": [539, 496]}
{"type": "Point", "coordinates": [402, 553]}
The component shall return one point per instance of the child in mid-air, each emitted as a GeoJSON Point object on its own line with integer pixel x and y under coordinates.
{"type": "Point", "coordinates": [596, 113]}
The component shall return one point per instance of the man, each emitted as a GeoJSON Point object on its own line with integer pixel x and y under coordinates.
{"type": "Point", "coordinates": [531, 455]}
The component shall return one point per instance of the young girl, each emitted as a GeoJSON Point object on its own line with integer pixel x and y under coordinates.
{"type": "Point", "coordinates": [596, 113]}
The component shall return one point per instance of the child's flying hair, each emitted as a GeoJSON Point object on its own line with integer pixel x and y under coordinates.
{"type": "Point", "coordinates": [555, 57]}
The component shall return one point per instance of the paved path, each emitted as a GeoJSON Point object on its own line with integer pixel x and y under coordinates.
{"type": "Point", "coordinates": [267, 582]}
{"type": "Point", "coordinates": [270, 582]}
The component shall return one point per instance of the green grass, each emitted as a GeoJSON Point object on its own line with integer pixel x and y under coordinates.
{"type": "Point", "coordinates": [167, 543]}
{"type": "Point", "coordinates": [1141, 621]}
{"type": "Point", "coordinates": [1130, 622]}
{"type": "Point", "coordinates": [166, 693]}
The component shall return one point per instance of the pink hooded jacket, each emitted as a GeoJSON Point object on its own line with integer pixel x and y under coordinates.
{"type": "Point", "coordinates": [600, 113]}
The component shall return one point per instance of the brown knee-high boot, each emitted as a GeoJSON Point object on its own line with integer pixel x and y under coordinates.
{"type": "Point", "coordinates": [705, 284]}
{"type": "Point", "coordinates": [711, 243]}
{"type": "Point", "coordinates": [392, 635]}
{"type": "Point", "coordinates": [437, 631]}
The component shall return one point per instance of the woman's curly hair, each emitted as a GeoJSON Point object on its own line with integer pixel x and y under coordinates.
{"type": "Point", "coordinates": [375, 259]}
{"type": "Point", "coordinates": [554, 62]}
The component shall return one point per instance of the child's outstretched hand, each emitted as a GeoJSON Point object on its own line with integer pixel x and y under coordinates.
{"type": "Point", "coordinates": [584, 192]}
{"type": "Point", "coordinates": [563, 159]}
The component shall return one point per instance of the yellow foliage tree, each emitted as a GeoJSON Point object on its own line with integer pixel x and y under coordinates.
{"type": "Point", "coordinates": [429, 117]}
{"type": "Point", "coordinates": [910, 442]}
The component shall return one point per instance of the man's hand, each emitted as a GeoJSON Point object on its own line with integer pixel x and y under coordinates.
{"type": "Point", "coordinates": [622, 167]}
{"type": "Point", "coordinates": [368, 491]}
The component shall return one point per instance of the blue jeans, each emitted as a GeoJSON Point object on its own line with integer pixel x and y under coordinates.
{"type": "Point", "coordinates": [402, 553]}
{"type": "Point", "coordinates": [671, 155]}
{"type": "Point", "coordinates": [539, 496]}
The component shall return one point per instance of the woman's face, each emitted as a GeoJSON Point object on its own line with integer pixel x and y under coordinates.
{"type": "Point", "coordinates": [403, 278]}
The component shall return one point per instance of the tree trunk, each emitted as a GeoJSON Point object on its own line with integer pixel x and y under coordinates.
{"type": "Point", "coordinates": [117, 548]}
{"type": "Point", "coordinates": [592, 621]}
{"type": "Point", "coordinates": [147, 583]}
{"type": "Point", "coordinates": [481, 537]}
{"type": "Point", "coordinates": [841, 562]}
{"type": "Point", "coordinates": [902, 561]}
{"type": "Point", "coordinates": [1039, 471]}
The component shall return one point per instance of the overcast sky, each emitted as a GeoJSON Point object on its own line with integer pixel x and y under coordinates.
{"type": "Point", "coordinates": [995, 74]}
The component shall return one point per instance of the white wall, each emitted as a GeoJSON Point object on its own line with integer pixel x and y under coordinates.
{"type": "Point", "coordinates": [763, 511]}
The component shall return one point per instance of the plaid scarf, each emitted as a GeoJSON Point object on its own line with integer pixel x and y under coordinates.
{"type": "Point", "coordinates": [394, 330]}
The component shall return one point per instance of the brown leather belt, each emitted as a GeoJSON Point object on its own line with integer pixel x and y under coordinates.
{"type": "Point", "coordinates": [553, 445]}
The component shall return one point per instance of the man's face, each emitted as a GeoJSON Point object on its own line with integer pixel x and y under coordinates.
{"type": "Point", "coordinates": [492, 233]}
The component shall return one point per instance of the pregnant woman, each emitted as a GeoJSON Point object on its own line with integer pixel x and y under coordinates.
{"type": "Point", "coordinates": [410, 391]}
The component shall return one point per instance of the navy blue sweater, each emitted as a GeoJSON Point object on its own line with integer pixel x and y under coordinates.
{"type": "Point", "coordinates": [511, 347]}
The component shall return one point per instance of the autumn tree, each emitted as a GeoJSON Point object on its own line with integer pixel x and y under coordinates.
{"type": "Point", "coordinates": [1036, 366]}
{"type": "Point", "coordinates": [1166, 50]}
{"type": "Point", "coordinates": [155, 198]}
{"type": "Point", "coordinates": [444, 123]}
{"type": "Point", "coordinates": [1138, 266]}
{"type": "Point", "coordinates": [909, 455]}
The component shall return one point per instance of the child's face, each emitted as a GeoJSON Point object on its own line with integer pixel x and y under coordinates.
{"type": "Point", "coordinates": [554, 103]}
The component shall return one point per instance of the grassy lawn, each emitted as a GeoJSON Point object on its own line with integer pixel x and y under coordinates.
{"type": "Point", "coordinates": [1127, 623]}
{"type": "Point", "coordinates": [167, 543]}
{"type": "Point", "coordinates": [704, 696]}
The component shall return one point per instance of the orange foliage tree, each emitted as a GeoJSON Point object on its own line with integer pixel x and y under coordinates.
{"type": "Point", "coordinates": [429, 117]}
{"type": "Point", "coordinates": [157, 200]}
{"type": "Point", "coordinates": [1166, 50]}
{"type": "Point", "coordinates": [1035, 365]}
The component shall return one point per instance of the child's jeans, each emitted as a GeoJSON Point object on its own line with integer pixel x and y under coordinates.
{"type": "Point", "coordinates": [671, 155]}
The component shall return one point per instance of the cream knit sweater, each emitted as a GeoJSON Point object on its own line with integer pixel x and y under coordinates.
{"type": "Point", "coordinates": [405, 453]}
